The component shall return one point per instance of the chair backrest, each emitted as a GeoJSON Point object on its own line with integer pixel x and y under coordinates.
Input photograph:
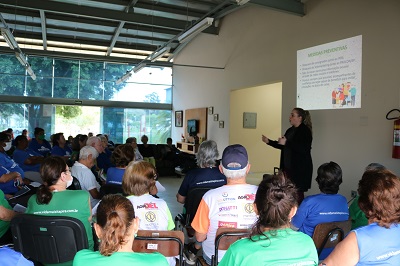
{"type": "Point", "coordinates": [224, 238]}
{"type": "Point", "coordinates": [328, 235]}
{"type": "Point", "coordinates": [76, 185]}
{"type": "Point", "coordinates": [111, 189]}
{"type": "Point", "coordinates": [48, 239]}
{"type": "Point", "coordinates": [168, 243]}
{"type": "Point", "coordinates": [192, 202]}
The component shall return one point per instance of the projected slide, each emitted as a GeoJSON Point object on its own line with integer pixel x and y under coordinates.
{"type": "Point", "coordinates": [329, 75]}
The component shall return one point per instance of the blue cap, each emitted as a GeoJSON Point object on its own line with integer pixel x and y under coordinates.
{"type": "Point", "coordinates": [235, 157]}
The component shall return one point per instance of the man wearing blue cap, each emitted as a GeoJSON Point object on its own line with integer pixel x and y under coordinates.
{"type": "Point", "coordinates": [228, 206]}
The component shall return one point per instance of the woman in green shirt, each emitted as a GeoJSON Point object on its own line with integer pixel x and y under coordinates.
{"type": "Point", "coordinates": [272, 241]}
{"type": "Point", "coordinates": [116, 227]}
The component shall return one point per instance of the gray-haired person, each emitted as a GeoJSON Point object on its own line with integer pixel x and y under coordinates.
{"type": "Point", "coordinates": [207, 175]}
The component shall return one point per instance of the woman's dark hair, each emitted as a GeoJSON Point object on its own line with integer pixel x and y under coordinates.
{"type": "Point", "coordinates": [19, 138]}
{"type": "Point", "coordinates": [123, 155]}
{"type": "Point", "coordinates": [329, 177]}
{"type": "Point", "coordinates": [275, 198]}
{"type": "Point", "coordinates": [50, 171]}
{"type": "Point", "coordinates": [56, 138]}
{"type": "Point", "coordinates": [379, 199]}
{"type": "Point", "coordinates": [114, 215]}
{"type": "Point", "coordinates": [37, 131]}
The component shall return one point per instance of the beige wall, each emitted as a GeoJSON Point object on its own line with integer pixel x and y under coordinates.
{"type": "Point", "coordinates": [266, 101]}
{"type": "Point", "coordinates": [258, 46]}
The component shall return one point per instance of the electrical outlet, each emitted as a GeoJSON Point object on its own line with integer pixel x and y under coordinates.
{"type": "Point", "coordinates": [353, 193]}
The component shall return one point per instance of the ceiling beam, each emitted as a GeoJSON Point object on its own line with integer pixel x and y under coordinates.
{"type": "Point", "coordinates": [115, 37]}
{"type": "Point", "coordinates": [291, 6]}
{"type": "Point", "coordinates": [95, 12]}
{"type": "Point", "coordinates": [43, 22]}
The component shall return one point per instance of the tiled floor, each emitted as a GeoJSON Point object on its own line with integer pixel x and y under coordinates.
{"type": "Point", "coordinates": [173, 183]}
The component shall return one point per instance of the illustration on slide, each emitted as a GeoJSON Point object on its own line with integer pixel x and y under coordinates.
{"type": "Point", "coordinates": [344, 95]}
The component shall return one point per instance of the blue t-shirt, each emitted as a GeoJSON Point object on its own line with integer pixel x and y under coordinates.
{"type": "Point", "coordinates": [104, 160]}
{"type": "Point", "coordinates": [320, 208]}
{"type": "Point", "coordinates": [58, 151]}
{"type": "Point", "coordinates": [10, 257]}
{"type": "Point", "coordinates": [20, 157]}
{"type": "Point", "coordinates": [8, 166]}
{"type": "Point", "coordinates": [202, 177]}
{"type": "Point", "coordinates": [114, 175]}
{"type": "Point", "coordinates": [378, 245]}
{"type": "Point", "coordinates": [44, 149]}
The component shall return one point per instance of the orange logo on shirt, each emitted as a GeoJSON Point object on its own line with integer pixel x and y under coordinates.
{"type": "Point", "coordinates": [150, 205]}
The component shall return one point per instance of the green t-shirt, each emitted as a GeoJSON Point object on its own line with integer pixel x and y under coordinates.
{"type": "Point", "coordinates": [4, 225]}
{"type": "Point", "coordinates": [283, 247]}
{"type": "Point", "coordinates": [87, 257]}
{"type": "Point", "coordinates": [357, 216]}
{"type": "Point", "coordinates": [72, 203]}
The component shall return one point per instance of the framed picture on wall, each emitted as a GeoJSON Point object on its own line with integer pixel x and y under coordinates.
{"type": "Point", "coordinates": [178, 118]}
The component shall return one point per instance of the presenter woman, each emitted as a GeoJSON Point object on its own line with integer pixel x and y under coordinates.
{"type": "Point", "coordinates": [295, 146]}
{"type": "Point", "coordinates": [116, 227]}
{"type": "Point", "coordinates": [272, 241]}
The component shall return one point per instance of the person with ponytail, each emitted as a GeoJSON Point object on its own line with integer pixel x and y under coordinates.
{"type": "Point", "coordinates": [53, 199]}
{"type": "Point", "coordinates": [272, 241]}
{"type": "Point", "coordinates": [296, 161]}
{"type": "Point", "coordinates": [139, 183]}
{"type": "Point", "coordinates": [116, 228]}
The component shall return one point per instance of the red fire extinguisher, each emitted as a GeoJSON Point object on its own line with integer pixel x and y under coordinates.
{"type": "Point", "coordinates": [396, 135]}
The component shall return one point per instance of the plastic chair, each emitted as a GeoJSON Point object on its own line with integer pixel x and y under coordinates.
{"type": "Point", "coordinates": [111, 189]}
{"type": "Point", "coordinates": [168, 243]}
{"type": "Point", "coordinates": [328, 235]}
{"type": "Point", "coordinates": [192, 201]}
{"type": "Point", "coordinates": [224, 238]}
{"type": "Point", "coordinates": [48, 239]}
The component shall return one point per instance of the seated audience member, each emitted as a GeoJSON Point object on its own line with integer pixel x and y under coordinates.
{"type": "Point", "coordinates": [10, 257]}
{"type": "Point", "coordinates": [9, 169]}
{"type": "Point", "coordinates": [81, 170]}
{"type": "Point", "coordinates": [147, 151]}
{"type": "Point", "coordinates": [357, 216]}
{"type": "Point", "coordinates": [25, 133]}
{"type": "Point", "coordinates": [132, 141]}
{"type": "Point", "coordinates": [39, 144]}
{"type": "Point", "coordinates": [53, 199]}
{"type": "Point", "coordinates": [77, 144]}
{"type": "Point", "coordinates": [139, 182]}
{"type": "Point", "coordinates": [208, 175]}
{"type": "Point", "coordinates": [116, 227]}
{"type": "Point", "coordinates": [10, 132]}
{"type": "Point", "coordinates": [328, 206]}
{"type": "Point", "coordinates": [6, 214]}
{"type": "Point", "coordinates": [26, 158]}
{"type": "Point", "coordinates": [60, 147]}
{"type": "Point", "coordinates": [121, 157]}
{"type": "Point", "coordinates": [272, 242]}
{"type": "Point", "coordinates": [104, 159]}
{"type": "Point", "coordinates": [378, 242]}
{"type": "Point", "coordinates": [168, 152]}
{"type": "Point", "coordinates": [228, 205]}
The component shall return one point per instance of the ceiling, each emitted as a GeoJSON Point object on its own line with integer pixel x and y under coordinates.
{"type": "Point", "coordinates": [126, 31]}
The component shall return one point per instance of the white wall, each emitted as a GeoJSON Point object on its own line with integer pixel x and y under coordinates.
{"type": "Point", "coordinates": [258, 46]}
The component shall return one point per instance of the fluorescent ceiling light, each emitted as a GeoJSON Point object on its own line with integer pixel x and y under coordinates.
{"type": "Point", "coordinates": [196, 29]}
{"type": "Point", "coordinates": [9, 38]}
{"type": "Point", "coordinates": [139, 67]}
{"type": "Point", "coordinates": [242, 2]}
{"type": "Point", "coordinates": [160, 53]}
{"type": "Point", "coordinates": [124, 78]}
{"type": "Point", "coordinates": [22, 59]}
